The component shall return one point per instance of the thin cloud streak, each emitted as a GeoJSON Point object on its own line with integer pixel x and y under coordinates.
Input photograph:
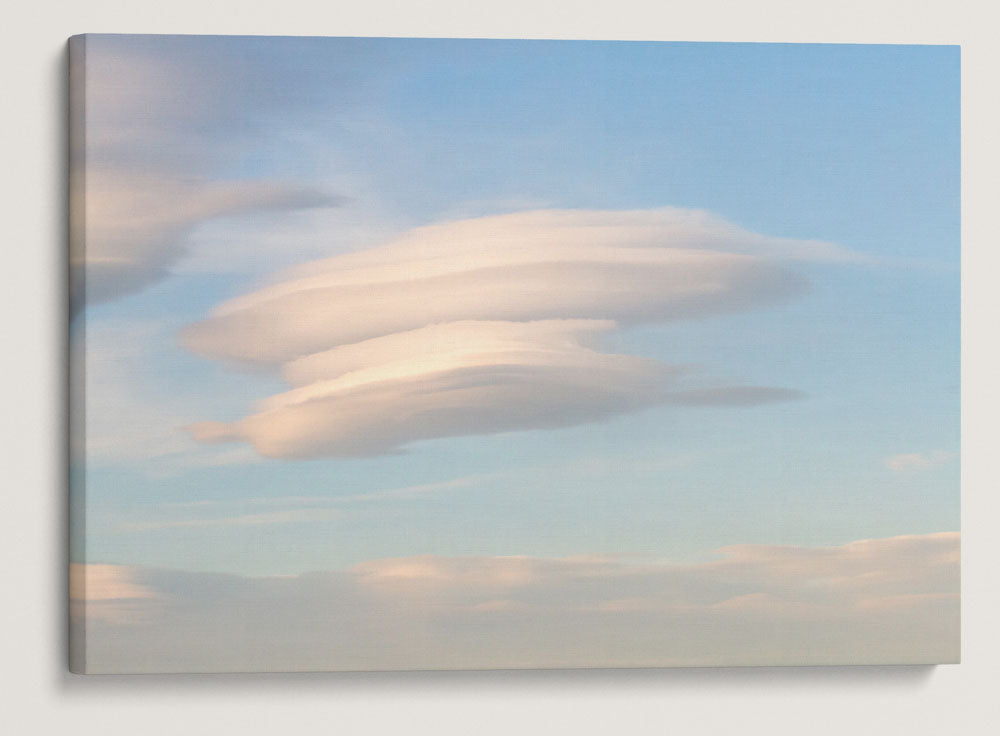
{"type": "Point", "coordinates": [317, 508]}
{"type": "Point", "coordinates": [288, 516]}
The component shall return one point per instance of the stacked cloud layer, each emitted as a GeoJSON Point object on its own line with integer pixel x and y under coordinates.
{"type": "Point", "coordinates": [489, 325]}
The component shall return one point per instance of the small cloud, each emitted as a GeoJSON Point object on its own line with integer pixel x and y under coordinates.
{"type": "Point", "coordinates": [112, 594]}
{"type": "Point", "coordinates": [105, 583]}
{"type": "Point", "coordinates": [913, 461]}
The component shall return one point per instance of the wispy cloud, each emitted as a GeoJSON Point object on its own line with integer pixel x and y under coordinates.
{"type": "Point", "coordinates": [136, 225]}
{"type": "Point", "coordinates": [491, 325]}
{"type": "Point", "coordinates": [416, 491]}
{"type": "Point", "coordinates": [298, 509]}
{"type": "Point", "coordinates": [164, 127]}
{"type": "Point", "coordinates": [287, 516]}
{"type": "Point", "coordinates": [873, 601]}
{"type": "Point", "coordinates": [914, 461]}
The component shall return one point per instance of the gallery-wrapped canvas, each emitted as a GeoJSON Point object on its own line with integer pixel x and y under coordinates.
{"type": "Point", "coordinates": [471, 354]}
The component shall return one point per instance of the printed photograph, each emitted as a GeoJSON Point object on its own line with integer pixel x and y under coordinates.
{"type": "Point", "coordinates": [416, 354]}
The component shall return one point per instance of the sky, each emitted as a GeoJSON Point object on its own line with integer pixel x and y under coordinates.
{"type": "Point", "coordinates": [518, 313]}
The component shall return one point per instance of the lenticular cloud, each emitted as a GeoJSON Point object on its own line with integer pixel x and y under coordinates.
{"type": "Point", "coordinates": [135, 227]}
{"type": "Point", "coordinates": [489, 325]}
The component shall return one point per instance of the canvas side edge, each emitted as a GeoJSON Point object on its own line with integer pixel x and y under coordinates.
{"type": "Point", "coordinates": [77, 45]}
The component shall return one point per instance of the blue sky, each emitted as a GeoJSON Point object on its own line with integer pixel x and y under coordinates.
{"type": "Point", "coordinates": [302, 149]}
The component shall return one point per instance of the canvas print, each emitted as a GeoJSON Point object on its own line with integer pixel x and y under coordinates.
{"type": "Point", "coordinates": [400, 354]}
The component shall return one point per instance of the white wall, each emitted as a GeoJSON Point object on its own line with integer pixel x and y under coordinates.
{"type": "Point", "coordinates": [38, 697]}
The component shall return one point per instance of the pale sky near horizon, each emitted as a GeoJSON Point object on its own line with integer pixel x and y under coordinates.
{"type": "Point", "coordinates": [797, 383]}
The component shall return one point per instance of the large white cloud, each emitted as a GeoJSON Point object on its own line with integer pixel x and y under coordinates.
{"type": "Point", "coordinates": [632, 267]}
{"type": "Point", "coordinates": [489, 325]}
{"type": "Point", "coordinates": [458, 378]}
{"type": "Point", "coordinates": [882, 601]}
